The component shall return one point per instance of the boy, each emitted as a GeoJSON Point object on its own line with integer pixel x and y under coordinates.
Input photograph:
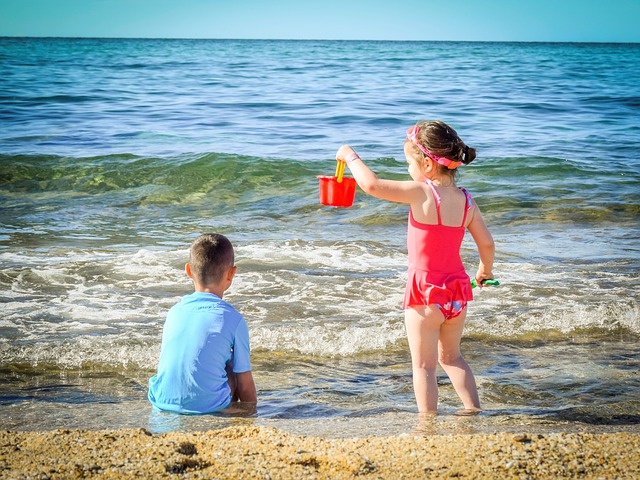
{"type": "Point", "coordinates": [204, 362]}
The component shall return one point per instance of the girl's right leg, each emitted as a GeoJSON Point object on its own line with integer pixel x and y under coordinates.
{"type": "Point", "coordinates": [423, 329]}
{"type": "Point", "coordinates": [454, 364]}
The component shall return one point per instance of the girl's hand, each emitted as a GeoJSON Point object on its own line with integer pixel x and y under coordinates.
{"type": "Point", "coordinates": [483, 275]}
{"type": "Point", "coordinates": [346, 154]}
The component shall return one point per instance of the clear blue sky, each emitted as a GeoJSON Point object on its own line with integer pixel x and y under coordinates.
{"type": "Point", "coordinates": [490, 20]}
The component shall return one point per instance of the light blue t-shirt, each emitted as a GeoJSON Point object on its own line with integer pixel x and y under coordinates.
{"type": "Point", "coordinates": [200, 334]}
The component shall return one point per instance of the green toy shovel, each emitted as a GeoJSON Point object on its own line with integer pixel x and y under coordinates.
{"type": "Point", "coordinates": [493, 283]}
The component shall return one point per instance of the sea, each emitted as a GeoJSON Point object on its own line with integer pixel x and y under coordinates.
{"type": "Point", "coordinates": [116, 153]}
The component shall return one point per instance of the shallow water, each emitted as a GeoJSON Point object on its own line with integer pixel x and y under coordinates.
{"type": "Point", "coordinates": [115, 154]}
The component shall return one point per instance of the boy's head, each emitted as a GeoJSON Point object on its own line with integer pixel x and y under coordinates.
{"type": "Point", "coordinates": [210, 258]}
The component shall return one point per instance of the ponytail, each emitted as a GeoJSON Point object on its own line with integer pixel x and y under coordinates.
{"type": "Point", "coordinates": [468, 155]}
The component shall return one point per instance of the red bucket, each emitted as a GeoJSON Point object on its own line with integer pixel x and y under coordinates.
{"type": "Point", "coordinates": [336, 194]}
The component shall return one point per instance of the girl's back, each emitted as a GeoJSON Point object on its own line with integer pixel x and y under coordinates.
{"type": "Point", "coordinates": [453, 203]}
{"type": "Point", "coordinates": [433, 240]}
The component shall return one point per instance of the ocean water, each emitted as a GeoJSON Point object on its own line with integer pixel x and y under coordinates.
{"type": "Point", "coordinates": [115, 154]}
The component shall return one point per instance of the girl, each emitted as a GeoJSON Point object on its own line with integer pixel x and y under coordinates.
{"type": "Point", "coordinates": [438, 288]}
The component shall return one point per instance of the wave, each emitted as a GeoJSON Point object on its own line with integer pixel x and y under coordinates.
{"type": "Point", "coordinates": [162, 179]}
{"type": "Point", "coordinates": [92, 252]}
{"type": "Point", "coordinates": [610, 323]}
{"type": "Point", "coordinates": [38, 173]}
{"type": "Point", "coordinates": [104, 309]}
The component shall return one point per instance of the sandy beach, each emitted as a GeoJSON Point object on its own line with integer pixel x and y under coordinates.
{"type": "Point", "coordinates": [263, 452]}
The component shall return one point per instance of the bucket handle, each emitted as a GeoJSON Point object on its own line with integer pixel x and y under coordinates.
{"type": "Point", "coordinates": [340, 170]}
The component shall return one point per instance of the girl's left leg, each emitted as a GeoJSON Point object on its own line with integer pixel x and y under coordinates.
{"type": "Point", "coordinates": [454, 363]}
{"type": "Point", "coordinates": [423, 329]}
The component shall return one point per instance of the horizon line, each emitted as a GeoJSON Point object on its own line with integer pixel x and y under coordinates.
{"type": "Point", "coordinates": [74, 37]}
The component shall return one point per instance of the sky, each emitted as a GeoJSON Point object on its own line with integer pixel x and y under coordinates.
{"type": "Point", "coordinates": [458, 20]}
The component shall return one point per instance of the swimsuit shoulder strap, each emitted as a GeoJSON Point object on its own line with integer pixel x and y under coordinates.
{"type": "Point", "coordinates": [436, 195]}
{"type": "Point", "coordinates": [468, 204]}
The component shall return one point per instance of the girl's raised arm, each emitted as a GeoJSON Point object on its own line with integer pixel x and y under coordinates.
{"type": "Point", "coordinates": [391, 190]}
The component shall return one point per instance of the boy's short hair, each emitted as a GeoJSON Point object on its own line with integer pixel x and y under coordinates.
{"type": "Point", "coordinates": [210, 256]}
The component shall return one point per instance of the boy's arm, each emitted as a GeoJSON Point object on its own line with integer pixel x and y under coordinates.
{"type": "Point", "coordinates": [246, 388]}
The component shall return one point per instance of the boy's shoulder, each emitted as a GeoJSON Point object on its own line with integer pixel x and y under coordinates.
{"type": "Point", "coordinates": [227, 307]}
{"type": "Point", "coordinates": [206, 301]}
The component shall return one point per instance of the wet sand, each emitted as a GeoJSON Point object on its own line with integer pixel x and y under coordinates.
{"type": "Point", "coordinates": [267, 453]}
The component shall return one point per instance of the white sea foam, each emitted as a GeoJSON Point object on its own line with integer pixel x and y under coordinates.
{"type": "Point", "coordinates": [151, 267]}
{"type": "Point", "coordinates": [84, 351]}
{"type": "Point", "coordinates": [313, 298]}
{"type": "Point", "coordinates": [340, 255]}
{"type": "Point", "coordinates": [329, 339]}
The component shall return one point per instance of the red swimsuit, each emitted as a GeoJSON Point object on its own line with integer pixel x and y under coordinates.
{"type": "Point", "coordinates": [436, 274]}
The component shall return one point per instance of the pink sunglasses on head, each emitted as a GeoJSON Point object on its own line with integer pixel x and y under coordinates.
{"type": "Point", "coordinates": [412, 134]}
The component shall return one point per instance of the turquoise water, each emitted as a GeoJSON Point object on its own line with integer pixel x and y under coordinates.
{"type": "Point", "coordinates": [115, 154]}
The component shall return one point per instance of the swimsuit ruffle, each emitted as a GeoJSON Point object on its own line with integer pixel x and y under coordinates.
{"type": "Point", "coordinates": [429, 288]}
